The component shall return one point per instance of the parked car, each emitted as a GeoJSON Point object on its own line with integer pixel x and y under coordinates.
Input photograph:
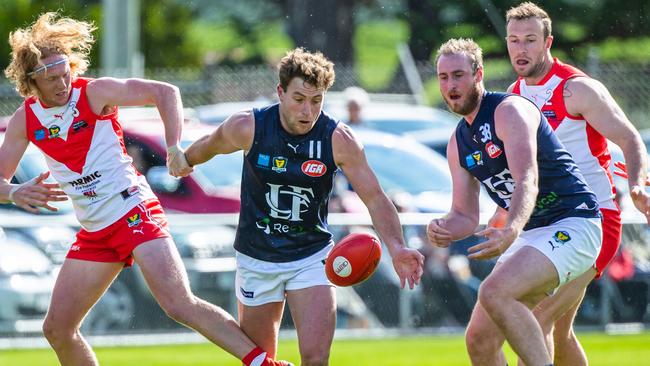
{"type": "Point", "coordinates": [429, 126]}
{"type": "Point", "coordinates": [26, 283]}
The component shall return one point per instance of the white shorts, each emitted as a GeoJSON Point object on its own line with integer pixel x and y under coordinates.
{"type": "Point", "coordinates": [259, 282]}
{"type": "Point", "coordinates": [572, 245]}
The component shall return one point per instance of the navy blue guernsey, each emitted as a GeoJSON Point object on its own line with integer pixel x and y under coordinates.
{"type": "Point", "coordinates": [285, 190]}
{"type": "Point", "coordinates": [562, 189]}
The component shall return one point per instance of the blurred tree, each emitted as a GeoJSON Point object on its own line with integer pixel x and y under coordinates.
{"type": "Point", "coordinates": [577, 24]}
{"type": "Point", "coordinates": [244, 28]}
{"type": "Point", "coordinates": [164, 26]}
{"type": "Point", "coordinates": [322, 25]}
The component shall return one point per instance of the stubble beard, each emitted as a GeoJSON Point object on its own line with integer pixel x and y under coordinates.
{"type": "Point", "coordinates": [469, 105]}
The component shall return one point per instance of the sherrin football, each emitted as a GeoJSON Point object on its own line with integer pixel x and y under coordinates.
{"type": "Point", "coordinates": [353, 259]}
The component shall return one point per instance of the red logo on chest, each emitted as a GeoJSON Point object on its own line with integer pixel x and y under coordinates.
{"type": "Point", "coordinates": [493, 150]}
{"type": "Point", "coordinates": [313, 168]}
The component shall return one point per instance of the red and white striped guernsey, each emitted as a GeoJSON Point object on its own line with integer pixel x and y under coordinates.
{"type": "Point", "coordinates": [87, 157]}
{"type": "Point", "coordinates": [587, 146]}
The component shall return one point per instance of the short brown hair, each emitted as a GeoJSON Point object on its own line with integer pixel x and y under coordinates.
{"type": "Point", "coordinates": [46, 37]}
{"type": "Point", "coordinates": [314, 68]}
{"type": "Point", "coordinates": [462, 46]}
{"type": "Point", "coordinates": [529, 10]}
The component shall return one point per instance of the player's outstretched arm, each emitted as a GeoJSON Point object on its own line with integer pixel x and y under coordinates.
{"type": "Point", "coordinates": [349, 156]}
{"type": "Point", "coordinates": [463, 218]}
{"type": "Point", "coordinates": [590, 99]}
{"type": "Point", "coordinates": [29, 195]}
{"type": "Point", "coordinates": [106, 93]}
{"type": "Point", "coordinates": [234, 134]}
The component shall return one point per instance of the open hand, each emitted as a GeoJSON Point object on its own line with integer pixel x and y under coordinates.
{"type": "Point", "coordinates": [37, 193]}
{"type": "Point", "coordinates": [499, 239]}
{"type": "Point", "coordinates": [408, 264]}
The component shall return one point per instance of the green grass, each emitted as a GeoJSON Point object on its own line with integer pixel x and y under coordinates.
{"type": "Point", "coordinates": [602, 349]}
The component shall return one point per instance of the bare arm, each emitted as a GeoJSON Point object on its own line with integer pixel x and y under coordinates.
{"type": "Point", "coordinates": [591, 100]}
{"type": "Point", "coordinates": [105, 93]}
{"type": "Point", "coordinates": [236, 133]}
{"type": "Point", "coordinates": [463, 218]}
{"type": "Point", "coordinates": [349, 156]}
{"type": "Point", "coordinates": [33, 193]}
{"type": "Point", "coordinates": [516, 123]}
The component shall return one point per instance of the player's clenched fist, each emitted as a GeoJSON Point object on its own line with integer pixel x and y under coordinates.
{"type": "Point", "coordinates": [177, 162]}
{"type": "Point", "coordinates": [437, 234]}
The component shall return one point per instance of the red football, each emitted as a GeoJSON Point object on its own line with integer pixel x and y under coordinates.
{"type": "Point", "coordinates": [353, 259]}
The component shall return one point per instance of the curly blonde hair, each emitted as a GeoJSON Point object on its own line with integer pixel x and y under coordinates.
{"type": "Point", "coordinates": [48, 35]}
{"type": "Point", "coordinates": [314, 68]}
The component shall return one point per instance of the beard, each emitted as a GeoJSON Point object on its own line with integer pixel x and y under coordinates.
{"type": "Point", "coordinates": [469, 105]}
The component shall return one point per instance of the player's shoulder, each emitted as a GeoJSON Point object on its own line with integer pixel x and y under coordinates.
{"type": "Point", "coordinates": [19, 115]}
{"type": "Point", "coordinates": [343, 134]}
{"type": "Point", "coordinates": [515, 108]}
{"type": "Point", "coordinates": [583, 85]}
{"type": "Point", "coordinates": [243, 118]}
{"type": "Point", "coordinates": [345, 143]}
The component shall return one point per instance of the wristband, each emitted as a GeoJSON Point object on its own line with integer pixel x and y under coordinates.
{"type": "Point", "coordinates": [173, 150]}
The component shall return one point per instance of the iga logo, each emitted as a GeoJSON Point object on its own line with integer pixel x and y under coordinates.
{"type": "Point", "coordinates": [313, 168]}
{"type": "Point", "coordinates": [493, 150]}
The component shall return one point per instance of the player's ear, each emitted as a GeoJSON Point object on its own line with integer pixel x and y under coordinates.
{"type": "Point", "coordinates": [478, 75]}
{"type": "Point", "coordinates": [280, 91]}
{"type": "Point", "coordinates": [548, 42]}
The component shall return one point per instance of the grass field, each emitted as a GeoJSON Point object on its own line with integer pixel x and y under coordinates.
{"type": "Point", "coordinates": [603, 350]}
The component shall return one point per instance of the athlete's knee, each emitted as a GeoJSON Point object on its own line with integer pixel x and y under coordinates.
{"type": "Point", "coordinates": [178, 307]}
{"type": "Point", "coordinates": [480, 342]}
{"type": "Point", "coordinates": [57, 333]}
{"type": "Point", "coordinates": [491, 296]}
{"type": "Point", "coordinates": [314, 357]}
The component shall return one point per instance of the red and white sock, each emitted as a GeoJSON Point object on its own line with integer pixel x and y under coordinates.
{"type": "Point", "coordinates": [256, 357]}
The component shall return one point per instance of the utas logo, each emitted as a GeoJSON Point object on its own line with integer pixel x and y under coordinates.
{"type": "Point", "coordinates": [313, 168]}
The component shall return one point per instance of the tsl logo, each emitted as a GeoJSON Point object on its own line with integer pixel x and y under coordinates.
{"type": "Point", "coordinates": [279, 164]}
{"type": "Point", "coordinates": [54, 131]}
{"type": "Point", "coordinates": [134, 220]}
{"type": "Point", "coordinates": [493, 150]}
{"type": "Point", "coordinates": [313, 168]}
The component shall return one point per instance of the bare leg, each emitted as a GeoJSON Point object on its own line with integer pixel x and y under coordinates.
{"type": "Point", "coordinates": [167, 279]}
{"type": "Point", "coordinates": [568, 350]}
{"type": "Point", "coordinates": [484, 339]}
{"type": "Point", "coordinates": [314, 312]}
{"type": "Point", "coordinates": [262, 324]}
{"type": "Point", "coordinates": [509, 291]}
{"type": "Point", "coordinates": [556, 313]}
{"type": "Point", "coordinates": [78, 287]}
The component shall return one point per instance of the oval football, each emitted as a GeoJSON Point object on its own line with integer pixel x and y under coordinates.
{"type": "Point", "coordinates": [353, 259]}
